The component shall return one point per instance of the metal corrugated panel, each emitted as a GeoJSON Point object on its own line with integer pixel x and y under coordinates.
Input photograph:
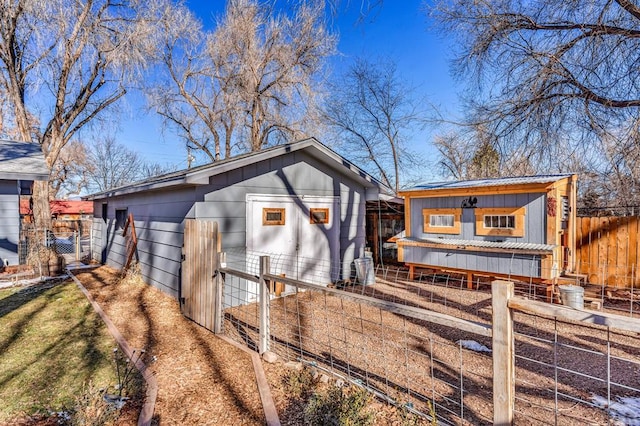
{"type": "Point", "coordinates": [489, 182]}
{"type": "Point", "coordinates": [479, 243]}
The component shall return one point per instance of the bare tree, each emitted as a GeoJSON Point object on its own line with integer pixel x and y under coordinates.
{"type": "Point", "coordinates": [374, 115]}
{"type": "Point", "coordinates": [251, 82]}
{"type": "Point", "coordinates": [63, 63]}
{"type": "Point", "coordinates": [554, 78]}
{"type": "Point", "coordinates": [110, 165]}
{"type": "Point", "coordinates": [69, 173]}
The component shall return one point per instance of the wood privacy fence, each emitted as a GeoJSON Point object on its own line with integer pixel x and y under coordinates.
{"type": "Point", "coordinates": [607, 250]}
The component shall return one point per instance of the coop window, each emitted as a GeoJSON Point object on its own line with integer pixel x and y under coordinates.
{"type": "Point", "coordinates": [500, 221]}
{"type": "Point", "coordinates": [503, 221]}
{"type": "Point", "coordinates": [319, 216]}
{"type": "Point", "coordinates": [441, 221]}
{"type": "Point", "coordinates": [272, 216]}
{"type": "Point", "coordinates": [121, 218]}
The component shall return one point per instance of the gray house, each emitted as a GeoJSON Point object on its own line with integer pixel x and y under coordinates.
{"type": "Point", "coordinates": [20, 164]}
{"type": "Point", "coordinates": [301, 201]}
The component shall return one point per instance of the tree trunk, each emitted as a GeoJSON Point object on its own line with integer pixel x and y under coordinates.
{"type": "Point", "coordinates": [41, 210]}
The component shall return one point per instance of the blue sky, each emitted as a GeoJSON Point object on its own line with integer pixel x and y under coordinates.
{"type": "Point", "coordinates": [398, 30]}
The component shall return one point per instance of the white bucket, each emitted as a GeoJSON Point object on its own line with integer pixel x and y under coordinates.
{"type": "Point", "coordinates": [364, 270]}
{"type": "Point", "coordinates": [572, 296]}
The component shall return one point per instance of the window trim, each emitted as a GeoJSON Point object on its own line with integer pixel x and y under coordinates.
{"type": "Point", "coordinates": [313, 220]}
{"type": "Point", "coordinates": [518, 212]}
{"type": "Point", "coordinates": [267, 210]}
{"type": "Point", "coordinates": [426, 221]}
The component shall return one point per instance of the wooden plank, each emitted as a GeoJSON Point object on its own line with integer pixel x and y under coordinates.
{"type": "Point", "coordinates": [618, 322]}
{"type": "Point", "coordinates": [632, 254]}
{"type": "Point", "coordinates": [612, 250]}
{"type": "Point", "coordinates": [622, 255]}
{"type": "Point", "coordinates": [408, 311]}
{"type": "Point", "coordinates": [503, 353]}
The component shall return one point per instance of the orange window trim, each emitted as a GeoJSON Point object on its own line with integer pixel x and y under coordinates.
{"type": "Point", "coordinates": [268, 211]}
{"type": "Point", "coordinates": [518, 212]}
{"type": "Point", "coordinates": [318, 215]}
{"type": "Point", "coordinates": [426, 221]}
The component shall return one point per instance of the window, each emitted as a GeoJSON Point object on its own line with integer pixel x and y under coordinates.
{"type": "Point", "coordinates": [503, 221]}
{"type": "Point", "coordinates": [441, 221]}
{"type": "Point", "coordinates": [319, 216]}
{"type": "Point", "coordinates": [273, 216]}
{"type": "Point", "coordinates": [121, 218]}
{"type": "Point", "coordinates": [500, 221]}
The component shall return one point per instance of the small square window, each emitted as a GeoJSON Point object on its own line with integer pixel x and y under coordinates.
{"type": "Point", "coordinates": [319, 216]}
{"type": "Point", "coordinates": [121, 218]}
{"type": "Point", "coordinates": [273, 216]}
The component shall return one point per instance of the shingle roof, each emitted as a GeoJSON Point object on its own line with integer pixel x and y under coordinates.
{"type": "Point", "coordinates": [22, 161]}
{"type": "Point", "coordinates": [477, 183]}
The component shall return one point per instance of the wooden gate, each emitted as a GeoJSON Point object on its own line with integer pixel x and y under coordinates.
{"type": "Point", "coordinates": [199, 263]}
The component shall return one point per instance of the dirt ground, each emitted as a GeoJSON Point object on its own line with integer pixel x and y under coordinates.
{"type": "Point", "coordinates": [201, 379]}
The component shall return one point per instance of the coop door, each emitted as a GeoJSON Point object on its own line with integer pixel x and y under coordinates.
{"type": "Point", "coordinates": [301, 234]}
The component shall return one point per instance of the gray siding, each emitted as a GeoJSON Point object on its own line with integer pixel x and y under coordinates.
{"type": "Point", "coordinates": [159, 221]}
{"type": "Point", "coordinates": [159, 215]}
{"type": "Point", "coordinates": [498, 263]}
{"type": "Point", "coordinates": [535, 225]}
{"type": "Point", "coordinates": [9, 221]}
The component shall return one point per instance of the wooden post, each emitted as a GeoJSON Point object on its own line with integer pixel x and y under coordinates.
{"type": "Point", "coordinates": [218, 282]}
{"type": "Point", "coordinates": [503, 354]}
{"type": "Point", "coordinates": [263, 291]}
{"type": "Point", "coordinates": [76, 241]}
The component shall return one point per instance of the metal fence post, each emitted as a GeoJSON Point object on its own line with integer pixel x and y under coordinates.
{"type": "Point", "coordinates": [503, 354]}
{"type": "Point", "coordinates": [218, 282]}
{"type": "Point", "coordinates": [263, 291]}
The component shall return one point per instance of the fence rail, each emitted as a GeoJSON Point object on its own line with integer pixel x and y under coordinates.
{"type": "Point", "coordinates": [472, 358]}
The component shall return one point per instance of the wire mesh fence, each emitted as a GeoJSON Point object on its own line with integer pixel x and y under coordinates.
{"type": "Point", "coordinates": [427, 343]}
{"type": "Point", "coordinates": [47, 252]}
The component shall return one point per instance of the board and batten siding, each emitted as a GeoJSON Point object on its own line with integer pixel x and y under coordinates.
{"type": "Point", "coordinates": [535, 224]}
{"type": "Point", "coordinates": [9, 221]}
{"type": "Point", "coordinates": [159, 215]}
{"type": "Point", "coordinates": [499, 263]}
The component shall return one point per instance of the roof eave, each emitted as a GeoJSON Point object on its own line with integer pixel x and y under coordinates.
{"type": "Point", "coordinates": [24, 176]}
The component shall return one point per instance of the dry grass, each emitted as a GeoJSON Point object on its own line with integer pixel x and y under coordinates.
{"type": "Point", "coordinates": [52, 345]}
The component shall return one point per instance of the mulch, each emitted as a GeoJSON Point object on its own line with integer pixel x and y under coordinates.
{"type": "Point", "coordinates": [201, 379]}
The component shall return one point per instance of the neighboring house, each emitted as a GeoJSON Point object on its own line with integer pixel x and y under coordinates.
{"type": "Point", "coordinates": [21, 163]}
{"type": "Point", "coordinates": [301, 201]}
{"type": "Point", "coordinates": [520, 227]}
{"type": "Point", "coordinates": [60, 210]}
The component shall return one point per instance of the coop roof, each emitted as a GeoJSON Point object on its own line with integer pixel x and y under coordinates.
{"type": "Point", "coordinates": [22, 161]}
{"type": "Point", "coordinates": [497, 183]}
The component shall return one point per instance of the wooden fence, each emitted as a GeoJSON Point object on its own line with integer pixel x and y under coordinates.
{"type": "Point", "coordinates": [607, 250]}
